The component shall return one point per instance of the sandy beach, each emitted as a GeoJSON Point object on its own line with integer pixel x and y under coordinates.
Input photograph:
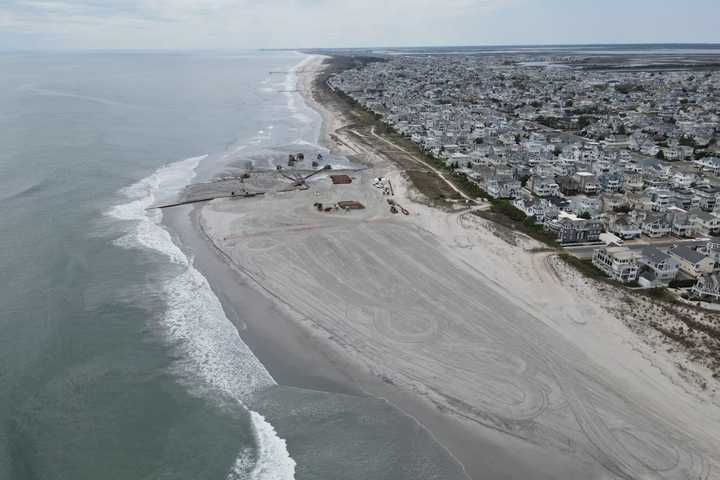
{"type": "Point", "coordinates": [512, 362]}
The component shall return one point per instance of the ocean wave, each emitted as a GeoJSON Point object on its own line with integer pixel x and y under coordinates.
{"type": "Point", "coordinates": [214, 361]}
{"type": "Point", "coordinates": [272, 462]}
{"type": "Point", "coordinates": [291, 84]}
{"type": "Point", "coordinates": [212, 350]}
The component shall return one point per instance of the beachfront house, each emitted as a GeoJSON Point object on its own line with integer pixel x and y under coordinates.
{"type": "Point", "coordinates": [707, 287]}
{"type": "Point", "coordinates": [658, 269]}
{"type": "Point", "coordinates": [571, 229]}
{"type": "Point", "coordinates": [692, 262]}
{"type": "Point", "coordinates": [499, 186]}
{"type": "Point", "coordinates": [618, 263]}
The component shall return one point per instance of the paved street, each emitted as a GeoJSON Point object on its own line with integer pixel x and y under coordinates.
{"type": "Point", "coordinates": [661, 243]}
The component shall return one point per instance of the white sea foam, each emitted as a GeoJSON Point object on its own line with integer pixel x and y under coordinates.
{"type": "Point", "coordinates": [291, 84]}
{"type": "Point", "coordinates": [214, 359]}
{"type": "Point", "coordinates": [146, 230]}
{"type": "Point", "coordinates": [272, 461]}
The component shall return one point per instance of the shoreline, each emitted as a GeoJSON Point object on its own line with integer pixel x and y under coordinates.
{"type": "Point", "coordinates": [286, 349]}
{"type": "Point", "coordinates": [485, 447]}
{"type": "Point", "coordinates": [268, 328]}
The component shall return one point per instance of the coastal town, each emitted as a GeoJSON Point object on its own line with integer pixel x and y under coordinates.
{"type": "Point", "coordinates": [620, 164]}
{"type": "Point", "coordinates": [376, 240]}
{"type": "Point", "coordinates": [392, 260]}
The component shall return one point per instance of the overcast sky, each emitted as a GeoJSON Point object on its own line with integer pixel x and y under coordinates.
{"type": "Point", "coordinates": [211, 24]}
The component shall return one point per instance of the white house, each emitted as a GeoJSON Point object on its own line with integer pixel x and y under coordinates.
{"type": "Point", "coordinates": [618, 263]}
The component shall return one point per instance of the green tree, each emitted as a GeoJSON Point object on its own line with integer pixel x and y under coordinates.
{"type": "Point", "coordinates": [687, 141]}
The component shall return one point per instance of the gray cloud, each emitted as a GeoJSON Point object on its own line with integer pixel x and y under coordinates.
{"type": "Point", "coordinates": [308, 23]}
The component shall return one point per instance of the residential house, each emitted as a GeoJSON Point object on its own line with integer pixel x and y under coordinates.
{"type": "Point", "coordinates": [572, 229]}
{"type": "Point", "coordinates": [568, 185]}
{"type": "Point", "coordinates": [541, 210]}
{"type": "Point", "coordinates": [658, 269]}
{"type": "Point", "coordinates": [680, 224]}
{"type": "Point", "coordinates": [610, 202]}
{"type": "Point", "coordinates": [634, 183]}
{"type": "Point", "coordinates": [660, 199]}
{"type": "Point", "coordinates": [711, 164]}
{"type": "Point", "coordinates": [543, 186]}
{"type": "Point", "coordinates": [712, 248]}
{"type": "Point", "coordinates": [707, 287]}
{"type": "Point", "coordinates": [498, 186]}
{"type": "Point", "coordinates": [656, 225]}
{"type": "Point", "coordinates": [618, 263]}
{"type": "Point", "coordinates": [704, 223]}
{"type": "Point", "coordinates": [684, 179]}
{"type": "Point", "coordinates": [692, 262]}
{"type": "Point", "coordinates": [705, 200]}
{"type": "Point", "coordinates": [587, 181]}
{"type": "Point", "coordinates": [624, 227]}
{"type": "Point", "coordinates": [611, 182]}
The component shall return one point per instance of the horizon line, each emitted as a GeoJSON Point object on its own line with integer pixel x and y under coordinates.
{"type": "Point", "coordinates": [376, 47]}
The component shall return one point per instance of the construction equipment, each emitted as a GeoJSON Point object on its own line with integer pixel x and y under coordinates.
{"type": "Point", "coordinates": [394, 205]}
{"type": "Point", "coordinates": [300, 180]}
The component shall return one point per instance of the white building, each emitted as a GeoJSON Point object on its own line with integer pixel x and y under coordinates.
{"type": "Point", "coordinates": [618, 263]}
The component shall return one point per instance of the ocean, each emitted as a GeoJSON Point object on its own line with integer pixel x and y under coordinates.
{"type": "Point", "coordinates": [118, 359]}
